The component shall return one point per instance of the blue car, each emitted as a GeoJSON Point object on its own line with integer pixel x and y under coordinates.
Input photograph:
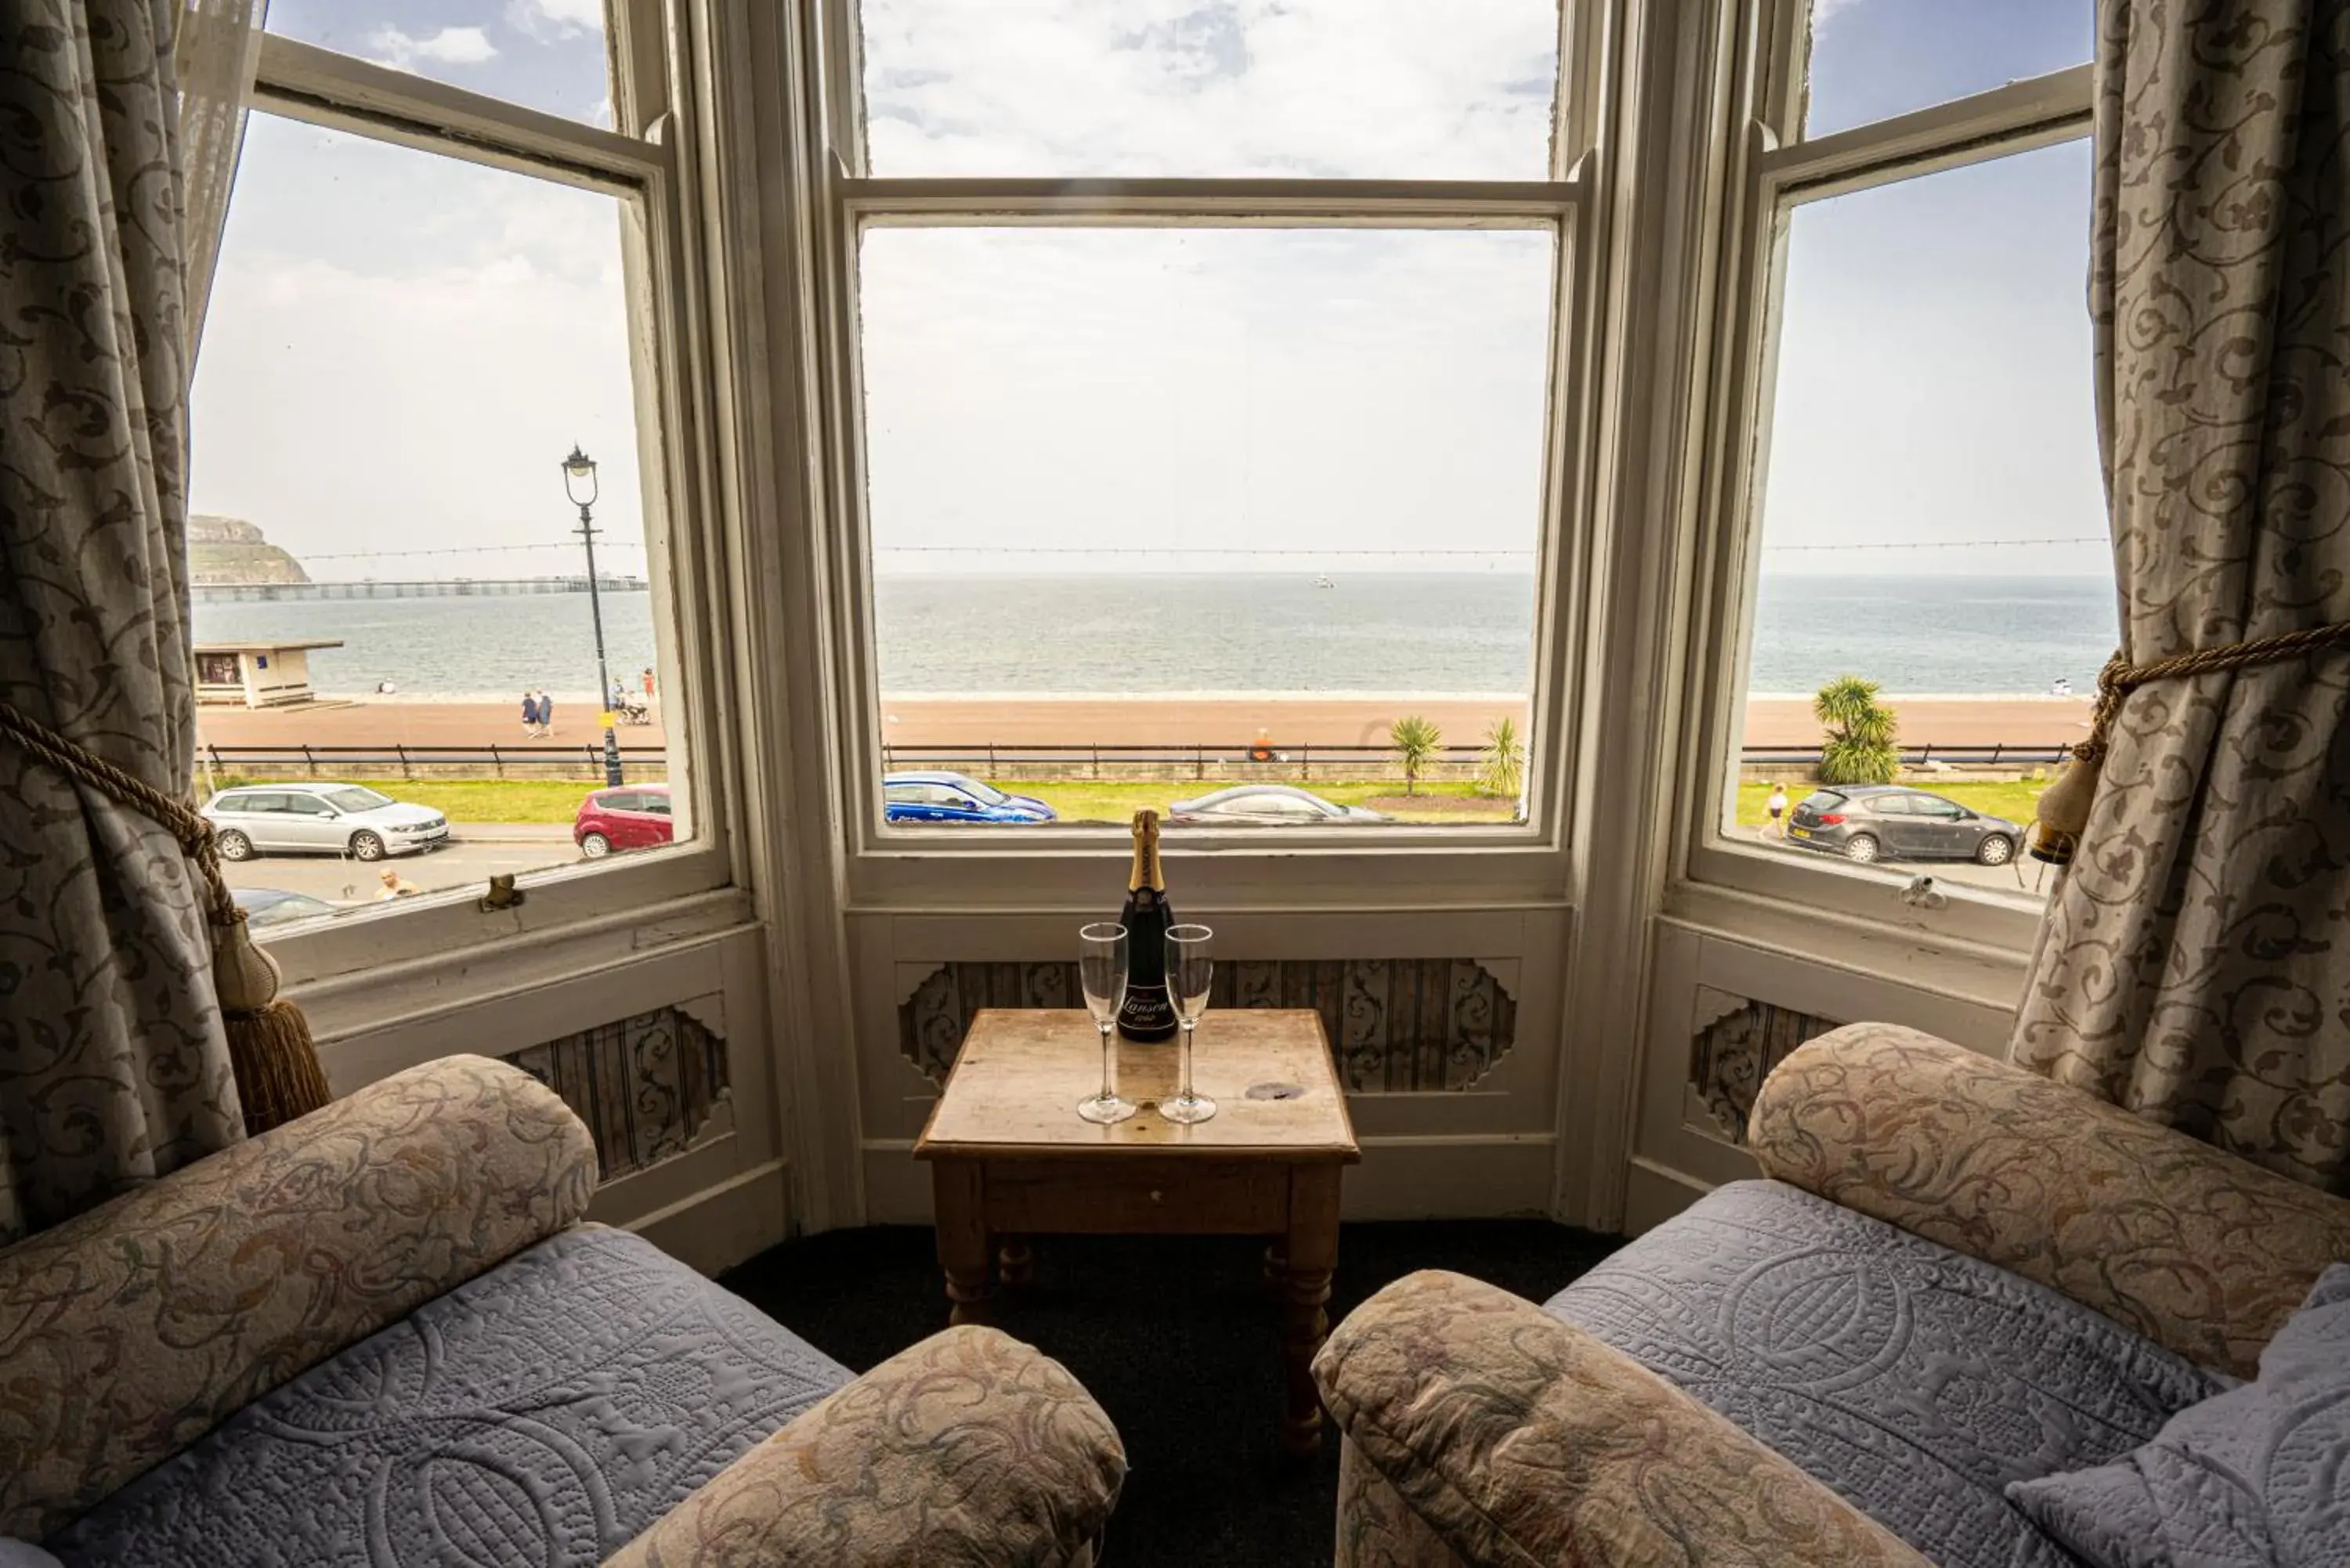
{"type": "Point", "coordinates": [952, 797]}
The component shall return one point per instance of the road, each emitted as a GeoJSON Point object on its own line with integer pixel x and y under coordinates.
{"type": "Point", "coordinates": [460, 863]}
{"type": "Point", "coordinates": [471, 862]}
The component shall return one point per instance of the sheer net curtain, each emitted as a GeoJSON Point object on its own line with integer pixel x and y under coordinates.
{"type": "Point", "coordinates": [113, 1066]}
{"type": "Point", "coordinates": [214, 56]}
{"type": "Point", "coordinates": [2195, 963]}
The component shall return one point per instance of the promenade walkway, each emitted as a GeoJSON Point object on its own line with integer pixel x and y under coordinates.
{"type": "Point", "coordinates": [941, 722]}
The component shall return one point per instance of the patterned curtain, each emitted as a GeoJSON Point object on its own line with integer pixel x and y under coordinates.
{"type": "Point", "coordinates": [2195, 964]}
{"type": "Point", "coordinates": [113, 1067]}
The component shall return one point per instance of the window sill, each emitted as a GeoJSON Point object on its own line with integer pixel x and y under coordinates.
{"type": "Point", "coordinates": [1976, 945]}
{"type": "Point", "coordinates": [386, 994]}
{"type": "Point", "coordinates": [1334, 869]}
{"type": "Point", "coordinates": [360, 948]}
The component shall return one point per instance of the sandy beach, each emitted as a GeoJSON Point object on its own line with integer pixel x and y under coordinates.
{"type": "Point", "coordinates": [923, 721]}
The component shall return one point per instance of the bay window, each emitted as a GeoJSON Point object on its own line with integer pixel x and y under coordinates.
{"type": "Point", "coordinates": [1915, 589]}
{"type": "Point", "coordinates": [1202, 401]}
{"type": "Point", "coordinates": [452, 263]}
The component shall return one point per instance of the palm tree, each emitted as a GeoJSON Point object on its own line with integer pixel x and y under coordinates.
{"type": "Point", "coordinates": [1862, 732]}
{"type": "Point", "coordinates": [1505, 770]}
{"type": "Point", "coordinates": [1416, 742]}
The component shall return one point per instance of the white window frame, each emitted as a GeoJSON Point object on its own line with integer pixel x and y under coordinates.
{"type": "Point", "coordinates": [1721, 878]}
{"type": "Point", "coordinates": [896, 866]}
{"type": "Point", "coordinates": [339, 963]}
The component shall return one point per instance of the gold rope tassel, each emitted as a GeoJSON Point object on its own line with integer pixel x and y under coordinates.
{"type": "Point", "coordinates": [270, 1050]}
{"type": "Point", "coordinates": [278, 1076]}
{"type": "Point", "coordinates": [2063, 813]}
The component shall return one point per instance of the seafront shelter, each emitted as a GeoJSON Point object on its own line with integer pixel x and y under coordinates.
{"type": "Point", "coordinates": [255, 674]}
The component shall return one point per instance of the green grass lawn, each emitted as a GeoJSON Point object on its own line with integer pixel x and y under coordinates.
{"type": "Point", "coordinates": [1116, 802]}
{"type": "Point", "coordinates": [2012, 799]}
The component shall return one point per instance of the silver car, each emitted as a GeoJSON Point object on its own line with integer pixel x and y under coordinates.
{"type": "Point", "coordinates": [320, 819]}
{"type": "Point", "coordinates": [1267, 805]}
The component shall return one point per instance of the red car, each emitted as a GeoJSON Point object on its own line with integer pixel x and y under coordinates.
{"type": "Point", "coordinates": [634, 816]}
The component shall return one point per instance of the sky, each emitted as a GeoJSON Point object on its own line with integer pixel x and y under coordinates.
{"type": "Point", "coordinates": [402, 347]}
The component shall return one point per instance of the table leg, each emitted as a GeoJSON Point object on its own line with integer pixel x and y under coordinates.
{"type": "Point", "coordinates": [957, 1198]}
{"type": "Point", "coordinates": [1309, 1255]}
{"type": "Point", "coordinates": [1016, 1262]}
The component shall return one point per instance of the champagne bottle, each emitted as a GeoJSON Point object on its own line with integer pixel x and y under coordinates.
{"type": "Point", "coordinates": [1148, 1015]}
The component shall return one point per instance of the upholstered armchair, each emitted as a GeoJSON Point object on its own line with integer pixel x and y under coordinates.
{"type": "Point", "coordinates": [1986, 1234]}
{"type": "Point", "coordinates": [381, 1333]}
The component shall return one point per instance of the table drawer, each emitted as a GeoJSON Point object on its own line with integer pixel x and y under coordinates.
{"type": "Point", "coordinates": [1141, 1197]}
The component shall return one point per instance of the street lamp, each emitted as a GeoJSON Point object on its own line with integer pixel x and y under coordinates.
{"type": "Point", "coordinates": [579, 471]}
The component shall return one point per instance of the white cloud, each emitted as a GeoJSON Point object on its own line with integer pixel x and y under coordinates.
{"type": "Point", "coordinates": [402, 347]}
{"type": "Point", "coordinates": [1232, 390]}
{"type": "Point", "coordinates": [1046, 387]}
{"type": "Point", "coordinates": [1350, 88]}
{"type": "Point", "coordinates": [1825, 11]}
{"type": "Point", "coordinates": [557, 18]}
{"type": "Point", "coordinates": [1238, 391]}
{"type": "Point", "coordinates": [449, 46]}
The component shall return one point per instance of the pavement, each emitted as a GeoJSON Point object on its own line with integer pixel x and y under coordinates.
{"type": "Point", "coordinates": [2022, 875]}
{"type": "Point", "coordinates": [385, 721]}
{"type": "Point", "coordinates": [472, 856]}
{"type": "Point", "coordinates": [918, 720]}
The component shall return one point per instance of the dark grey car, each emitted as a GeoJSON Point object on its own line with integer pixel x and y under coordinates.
{"type": "Point", "coordinates": [1892, 822]}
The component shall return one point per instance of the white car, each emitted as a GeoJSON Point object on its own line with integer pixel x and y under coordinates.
{"type": "Point", "coordinates": [320, 819]}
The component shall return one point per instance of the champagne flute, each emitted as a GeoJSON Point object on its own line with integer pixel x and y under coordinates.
{"type": "Point", "coordinates": [1101, 974]}
{"type": "Point", "coordinates": [1191, 965]}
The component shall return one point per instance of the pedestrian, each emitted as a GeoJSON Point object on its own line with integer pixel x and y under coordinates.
{"type": "Point", "coordinates": [1777, 806]}
{"type": "Point", "coordinates": [529, 713]}
{"type": "Point", "coordinates": [545, 712]}
{"type": "Point", "coordinates": [395, 886]}
{"type": "Point", "coordinates": [648, 685]}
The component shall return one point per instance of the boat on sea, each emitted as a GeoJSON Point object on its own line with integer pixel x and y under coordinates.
{"type": "Point", "coordinates": [1324, 583]}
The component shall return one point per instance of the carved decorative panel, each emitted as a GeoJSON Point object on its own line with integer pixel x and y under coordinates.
{"type": "Point", "coordinates": [646, 1085]}
{"type": "Point", "coordinates": [1734, 1044]}
{"type": "Point", "coordinates": [1394, 1024]}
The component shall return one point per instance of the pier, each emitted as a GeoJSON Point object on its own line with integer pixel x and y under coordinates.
{"type": "Point", "coordinates": [431, 588]}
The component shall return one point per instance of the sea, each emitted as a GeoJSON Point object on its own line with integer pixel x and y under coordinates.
{"type": "Point", "coordinates": [1200, 632]}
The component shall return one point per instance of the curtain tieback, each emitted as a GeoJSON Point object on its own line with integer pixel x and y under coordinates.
{"type": "Point", "coordinates": [278, 1076]}
{"type": "Point", "coordinates": [2064, 808]}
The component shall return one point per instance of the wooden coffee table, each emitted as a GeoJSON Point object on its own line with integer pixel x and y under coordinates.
{"type": "Point", "coordinates": [1010, 1158]}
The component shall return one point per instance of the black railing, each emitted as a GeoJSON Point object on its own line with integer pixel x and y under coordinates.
{"type": "Point", "coordinates": [990, 758]}
{"type": "Point", "coordinates": [2001, 753]}
{"type": "Point", "coordinates": [1086, 760]}
{"type": "Point", "coordinates": [993, 756]}
{"type": "Point", "coordinates": [502, 761]}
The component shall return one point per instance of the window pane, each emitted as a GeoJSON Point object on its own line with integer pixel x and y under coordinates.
{"type": "Point", "coordinates": [548, 54]}
{"type": "Point", "coordinates": [1872, 60]}
{"type": "Point", "coordinates": [1933, 520]}
{"type": "Point", "coordinates": [1323, 88]}
{"type": "Point", "coordinates": [1164, 510]}
{"type": "Point", "coordinates": [401, 349]}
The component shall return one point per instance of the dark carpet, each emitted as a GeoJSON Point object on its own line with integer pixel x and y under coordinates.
{"type": "Point", "coordinates": [1176, 1338]}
